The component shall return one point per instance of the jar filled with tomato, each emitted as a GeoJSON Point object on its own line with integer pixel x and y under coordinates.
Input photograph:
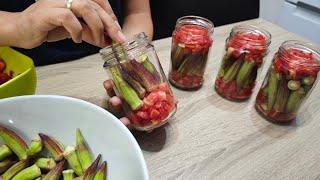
{"type": "Point", "coordinates": [140, 81]}
{"type": "Point", "coordinates": [289, 81]}
{"type": "Point", "coordinates": [244, 52]}
{"type": "Point", "coordinates": [191, 42]}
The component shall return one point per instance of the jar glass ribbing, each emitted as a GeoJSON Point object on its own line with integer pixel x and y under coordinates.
{"type": "Point", "coordinates": [245, 49]}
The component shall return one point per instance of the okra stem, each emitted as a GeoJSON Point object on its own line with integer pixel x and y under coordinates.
{"type": "Point", "coordinates": [72, 158]}
{"type": "Point", "coordinates": [14, 142]}
{"type": "Point", "coordinates": [133, 83]}
{"type": "Point", "coordinates": [294, 100]}
{"type": "Point", "coordinates": [294, 85]}
{"type": "Point", "coordinates": [52, 145]}
{"type": "Point", "coordinates": [83, 151]}
{"type": "Point", "coordinates": [68, 174]}
{"type": "Point", "coordinates": [282, 96]}
{"type": "Point", "coordinates": [35, 147]}
{"type": "Point", "coordinates": [16, 168]}
{"type": "Point", "coordinates": [177, 55]}
{"type": "Point", "coordinates": [4, 152]}
{"type": "Point", "coordinates": [91, 171]}
{"type": "Point", "coordinates": [244, 72]}
{"type": "Point", "coordinates": [272, 88]}
{"type": "Point", "coordinates": [127, 93]}
{"type": "Point", "coordinates": [102, 172]}
{"type": "Point", "coordinates": [308, 80]}
{"type": "Point", "coordinates": [234, 69]}
{"type": "Point", "coordinates": [55, 173]}
{"type": "Point", "coordinates": [149, 67]}
{"type": "Point", "coordinates": [46, 163]}
{"type": "Point", "coordinates": [31, 172]}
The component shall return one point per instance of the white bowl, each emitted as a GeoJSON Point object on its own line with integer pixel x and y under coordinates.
{"type": "Point", "coordinates": [59, 117]}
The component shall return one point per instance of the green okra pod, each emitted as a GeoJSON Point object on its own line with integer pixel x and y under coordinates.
{"type": "Point", "coordinates": [149, 67]}
{"type": "Point", "coordinates": [273, 82]}
{"type": "Point", "coordinates": [92, 169]}
{"type": "Point", "coordinates": [234, 69]}
{"type": "Point", "coordinates": [83, 151]}
{"type": "Point", "coordinates": [308, 80]}
{"type": "Point", "coordinates": [14, 142]}
{"type": "Point", "coordinates": [102, 172]}
{"type": "Point", "coordinates": [244, 72]}
{"type": "Point", "coordinates": [52, 145]}
{"type": "Point", "coordinates": [68, 174]}
{"type": "Point", "coordinates": [55, 173]}
{"type": "Point", "coordinates": [294, 85]}
{"type": "Point", "coordinates": [35, 147]}
{"type": "Point", "coordinates": [15, 169]}
{"type": "Point", "coordinates": [294, 100]}
{"type": "Point", "coordinates": [177, 55]}
{"type": "Point", "coordinates": [6, 164]}
{"type": "Point", "coordinates": [126, 92]}
{"type": "Point", "coordinates": [29, 173]}
{"type": "Point", "coordinates": [5, 151]}
{"type": "Point", "coordinates": [45, 163]}
{"type": "Point", "coordinates": [71, 156]}
{"type": "Point", "coordinates": [282, 96]}
{"type": "Point", "coordinates": [133, 83]}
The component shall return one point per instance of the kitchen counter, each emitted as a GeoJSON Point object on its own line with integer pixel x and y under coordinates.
{"type": "Point", "coordinates": [210, 138]}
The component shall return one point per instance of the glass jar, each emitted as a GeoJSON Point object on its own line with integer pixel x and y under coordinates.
{"type": "Point", "coordinates": [289, 81]}
{"type": "Point", "coordinates": [245, 49]}
{"type": "Point", "coordinates": [140, 82]}
{"type": "Point", "coordinates": [191, 42]}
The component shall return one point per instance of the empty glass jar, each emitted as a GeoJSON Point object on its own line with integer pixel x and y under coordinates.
{"type": "Point", "coordinates": [140, 82]}
{"type": "Point", "coordinates": [289, 82]}
{"type": "Point", "coordinates": [191, 42]}
{"type": "Point", "coordinates": [244, 52]}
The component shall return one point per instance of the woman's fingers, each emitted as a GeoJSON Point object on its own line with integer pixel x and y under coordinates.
{"type": "Point", "coordinates": [61, 17]}
{"type": "Point", "coordinates": [84, 9]}
{"type": "Point", "coordinates": [57, 34]}
{"type": "Point", "coordinates": [111, 26]}
{"type": "Point", "coordinates": [126, 122]}
{"type": "Point", "coordinates": [105, 5]}
{"type": "Point", "coordinates": [108, 85]}
{"type": "Point", "coordinates": [115, 106]}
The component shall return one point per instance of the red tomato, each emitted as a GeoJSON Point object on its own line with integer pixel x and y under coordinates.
{"type": "Point", "coordinates": [2, 66]}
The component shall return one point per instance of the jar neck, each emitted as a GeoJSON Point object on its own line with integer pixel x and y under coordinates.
{"type": "Point", "coordinates": [300, 53]}
{"type": "Point", "coordinates": [251, 35]}
{"type": "Point", "coordinates": [118, 53]}
{"type": "Point", "coordinates": [195, 20]}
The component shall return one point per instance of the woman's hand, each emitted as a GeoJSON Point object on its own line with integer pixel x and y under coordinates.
{"type": "Point", "coordinates": [115, 103]}
{"type": "Point", "coordinates": [50, 20]}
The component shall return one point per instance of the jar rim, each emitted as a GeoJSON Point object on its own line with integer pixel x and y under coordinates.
{"type": "Point", "coordinates": [200, 21]}
{"type": "Point", "coordinates": [255, 29]}
{"type": "Point", "coordinates": [305, 47]}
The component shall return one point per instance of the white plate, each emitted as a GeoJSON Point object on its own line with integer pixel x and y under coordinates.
{"type": "Point", "coordinates": [59, 117]}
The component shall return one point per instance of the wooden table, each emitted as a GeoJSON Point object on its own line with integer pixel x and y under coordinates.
{"type": "Point", "coordinates": [210, 138]}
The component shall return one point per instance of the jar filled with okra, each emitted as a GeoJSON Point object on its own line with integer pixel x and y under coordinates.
{"type": "Point", "coordinates": [245, 49]}
{"type": "Point", "coordinates": [191, 43]}
{"type": "Point", "coordinates": [290, 80]}
{"type": "Point", "coordinates": [140, 82]}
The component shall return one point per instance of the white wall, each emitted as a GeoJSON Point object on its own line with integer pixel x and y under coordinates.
{"type": "Point", "coordinates": [270, 9]}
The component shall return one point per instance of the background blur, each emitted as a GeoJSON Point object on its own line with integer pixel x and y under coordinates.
{"type": "Point", "coordinates": [299, 16]}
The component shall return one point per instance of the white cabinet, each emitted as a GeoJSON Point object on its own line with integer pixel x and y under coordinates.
{"type": "Point", "coordinates": [301, 17]}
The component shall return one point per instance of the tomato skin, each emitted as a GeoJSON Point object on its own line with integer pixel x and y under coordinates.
{"type": "Point", "coordinates": [156, 108]}
{"type": "Point", "coordinates": [255, 45]}
{"type": "Point", "coordinates": [194, 37]}
{"type": "Point", "coordinates": [230, 90]}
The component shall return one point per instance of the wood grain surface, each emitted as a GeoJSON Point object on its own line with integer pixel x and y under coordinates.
{"type": "Point", "coordinates": [210, 137]}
